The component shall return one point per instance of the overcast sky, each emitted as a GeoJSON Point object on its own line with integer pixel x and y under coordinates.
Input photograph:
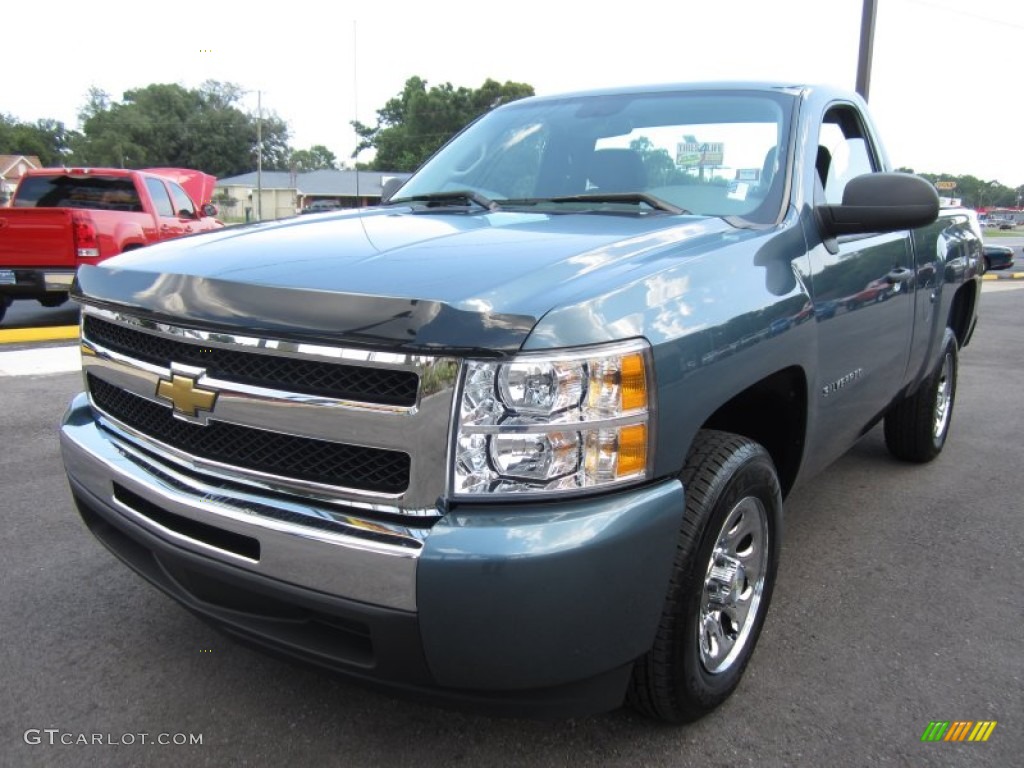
{"type": "Point", "coordinates": [945, 85]}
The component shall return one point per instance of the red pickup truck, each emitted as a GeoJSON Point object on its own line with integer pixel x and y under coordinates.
{"type": "Point", "coordinates": [61, 218]}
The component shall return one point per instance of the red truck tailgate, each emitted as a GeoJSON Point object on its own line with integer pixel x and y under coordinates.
{"type": "Point", "coordinates": [36, 237]}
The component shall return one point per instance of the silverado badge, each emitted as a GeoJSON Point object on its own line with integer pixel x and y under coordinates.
{"type": "Point", "coordinates": [185, 394]}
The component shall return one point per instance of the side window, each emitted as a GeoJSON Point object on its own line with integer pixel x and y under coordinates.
{"type": "Point", "coordinates": [844, 152]}
{"type": "Point", "coordinates": [158, 192]}
{"type": "Point", "coordinates": [182, 203]}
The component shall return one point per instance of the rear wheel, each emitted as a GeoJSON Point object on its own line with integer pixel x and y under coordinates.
{"type": "Point", "coordinates": [724, 571]}
{"type": "Point", "coordinates": [4, 303]}
{"type": "Point", "coordinates": [916, 428]}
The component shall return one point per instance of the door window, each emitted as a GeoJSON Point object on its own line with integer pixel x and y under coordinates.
{"type": "Point", "coordinates": [161, 201]}
{"type": "Point", "coordinates": [844, 152]}
{"type": "Point", "coordinates": [183, 207]}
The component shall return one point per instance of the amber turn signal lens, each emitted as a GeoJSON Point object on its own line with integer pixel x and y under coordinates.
{"type": "Point", "coordinates": [632, 450]}
{"type": "Point", "coordinates": [634, 383]}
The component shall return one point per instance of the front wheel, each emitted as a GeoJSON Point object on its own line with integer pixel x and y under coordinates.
{"type": "Point", "coordinates": [722, 580]}
{"type": "Point", "coordinates": [916, 428]}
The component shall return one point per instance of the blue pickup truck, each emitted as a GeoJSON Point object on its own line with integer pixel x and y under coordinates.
{"type": "Point", "coordinates": [519, 437]}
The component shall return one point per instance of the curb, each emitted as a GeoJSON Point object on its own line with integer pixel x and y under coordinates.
{"type": "Point", "coordinates": [56, 333]}
{"type": "Point", "coordinates": [1010, 276]}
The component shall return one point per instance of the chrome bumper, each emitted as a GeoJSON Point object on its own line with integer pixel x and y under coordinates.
{"type": "Point", "coordinates": [311, 545]}
{"type": "Point", "coordinates": [59, 280]}
{"type": "Point", "coordinates": [30, 282]}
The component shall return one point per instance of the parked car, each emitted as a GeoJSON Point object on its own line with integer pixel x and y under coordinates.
{"type": "Point", "coordinates": [999, 223]}
{"type": "Point", "coordinates": [62, 218]}
{"type": "Point", "coordinates": [997, 257]}
{"type": "Point", "coordinates": [320, 206]}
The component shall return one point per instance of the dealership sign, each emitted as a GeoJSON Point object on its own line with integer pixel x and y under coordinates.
{"type": "Point", "coordinates": [693, 153]}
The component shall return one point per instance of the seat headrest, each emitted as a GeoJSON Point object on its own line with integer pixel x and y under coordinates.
{"type": "Point", "coordinates": [617, 170]}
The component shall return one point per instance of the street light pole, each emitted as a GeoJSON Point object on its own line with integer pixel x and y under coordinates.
{"type": "Point", "coordinates": [867, 44]}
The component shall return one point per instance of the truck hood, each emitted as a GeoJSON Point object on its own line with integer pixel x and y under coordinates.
{"type": "Point", "coordinates": [396, 277]}
{"type": "Point", "coordinates": [198, 185]}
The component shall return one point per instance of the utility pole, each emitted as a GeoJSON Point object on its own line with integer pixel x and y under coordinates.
{"type": "Point", "coordinates": [867, 44]}
{"type": "Point", "coordinates": [355, 95]}
{"type": "Point", "coordinates": [259, 155]}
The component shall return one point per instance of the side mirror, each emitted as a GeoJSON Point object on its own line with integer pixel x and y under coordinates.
{"type": "Point", "coordinates": [391, 186]}
{"type": "Point", "coordinates": [209, 209]}
{"type": "Point", "coordinates": [881, 202]}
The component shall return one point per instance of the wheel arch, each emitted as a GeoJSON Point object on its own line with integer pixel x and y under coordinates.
{"type": "Point", "coordinates": [772, 412]}
{"type": "Point", "coordinates": [962, 315]}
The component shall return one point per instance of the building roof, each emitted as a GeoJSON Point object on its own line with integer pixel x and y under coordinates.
{"type": "Point", "coordinates": [323, 183]}
{"type": "Point", "coordinates": [8, 162]}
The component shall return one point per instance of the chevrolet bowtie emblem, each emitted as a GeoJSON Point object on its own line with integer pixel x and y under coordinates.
{"type": "Point", "coordinates": [187, 397]}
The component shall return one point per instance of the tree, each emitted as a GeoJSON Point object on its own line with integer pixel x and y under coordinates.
{"type": "Point", "coordinates": [415, 123]}
{"type": "Point", "coordinates": [316, 158]}
{"type": "Point", "coordinates": [170, 125]}
{"type": "Point", "coordinates": [47, 139]}
{"type": "Point", "coordinates": [661, 168]}
{"type": "Point", "coordinates": [974, 192]}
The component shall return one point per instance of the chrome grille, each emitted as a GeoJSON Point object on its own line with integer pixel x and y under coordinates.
{"type": "Point", "coordinates": [347, 382]}
{"type": "Point", "coordinates": [321, 422]}
{"type": "Point", "coordinates": [303, 458]}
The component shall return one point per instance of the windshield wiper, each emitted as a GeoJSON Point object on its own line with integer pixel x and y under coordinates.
{"type": "Point", "coordinates": [622, 197]}
{"type": "Point", "coordinates": [439, 199]}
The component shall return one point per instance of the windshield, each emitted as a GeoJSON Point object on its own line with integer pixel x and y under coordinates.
{"type": "Point", "coordinates": [712, 153]}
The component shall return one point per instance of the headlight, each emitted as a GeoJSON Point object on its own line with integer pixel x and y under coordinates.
{"type": "Point", "coordinates": [554, 422]}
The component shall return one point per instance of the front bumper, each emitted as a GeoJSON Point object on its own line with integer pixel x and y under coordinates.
{"type": "Point", "coordinates": [516, 608]}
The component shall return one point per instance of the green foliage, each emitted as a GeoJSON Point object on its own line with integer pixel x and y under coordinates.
{"type": "Point", "coordinates": [974, 192]}
{"type": "Point", "coordinates": [316, 158]}
{"type": "Point", "coordinates": [47, 139]}
{"type": "Point", "coordinates": [661, 168]}
{"type": "Point", "coordinates": [169, 125]}
{"type": "Point", "coordinates": [415, 123]}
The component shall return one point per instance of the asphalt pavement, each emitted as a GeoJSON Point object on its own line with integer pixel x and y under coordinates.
{"type": "Point", "coordinates": [899, 603]}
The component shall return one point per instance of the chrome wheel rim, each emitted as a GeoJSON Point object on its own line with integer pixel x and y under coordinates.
{"type": "Point", "coordinates": [943, 397]}
{"type": "Point", "coordinates": [733, 585]}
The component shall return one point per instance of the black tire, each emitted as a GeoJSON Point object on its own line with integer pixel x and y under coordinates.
{"type": "Point", "coordinates": [4, 303]}
{"type": "Point", "coordinates": [916, 428]}
{"type": "Point", "coordinates": [682, 677]}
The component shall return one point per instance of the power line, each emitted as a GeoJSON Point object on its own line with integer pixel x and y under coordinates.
{"type": "Point", "coordinates": [979, 16]}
